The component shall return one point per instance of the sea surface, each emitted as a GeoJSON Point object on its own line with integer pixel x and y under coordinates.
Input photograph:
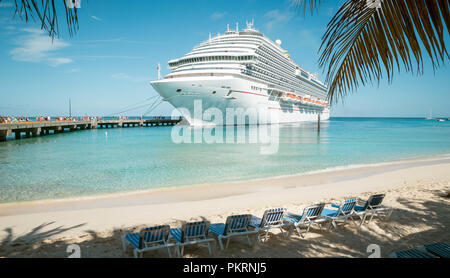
{"type": "Point", "coordinates": [91, 162]}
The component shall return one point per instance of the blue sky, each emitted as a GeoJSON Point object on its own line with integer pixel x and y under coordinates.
{"type": "Point", "coordinates": [108, 64]}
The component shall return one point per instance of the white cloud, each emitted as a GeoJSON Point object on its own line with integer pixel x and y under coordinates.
{"type": "Point", "coordinates": [6, 4]}
{"type": "Point", "coordinates": [275, 17]}
{"type": "Point", "coordinates": [218, 15]}
{"type": "Point", "coordinates": [37, 47]}
{"type": "Point", "coordinates": [124, 76]}
{"type": "Point", "coordinates": [73, 70]}
{"type": "Point", "coordinates": [96, 18]}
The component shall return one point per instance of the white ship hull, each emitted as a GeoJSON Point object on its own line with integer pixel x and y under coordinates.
{"type": "Point", "coordinates": [235, 93]}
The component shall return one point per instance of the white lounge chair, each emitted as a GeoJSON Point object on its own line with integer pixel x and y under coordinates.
{"type": "Point", "coordinates": [311, 215]}
{"type": "Point", "coordinates": [341, 212]}
{"type": "Point", "coordinates": [235, 225]}
{"type": "Point", "coordinates": [272, 218]}
{"type": "Point", "coordinates": [148, 239]}
{"type": "Point", "coordinates": [191, 233]}
{"type": "Point", "coordinates": [372, 207]}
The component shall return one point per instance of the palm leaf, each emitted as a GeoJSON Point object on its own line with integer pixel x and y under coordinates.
{"type": "Point", "coordinates": [363, 43]}
{"type": "Point", "coordinates": [46, 12]}
{"type": "Point", "coordinates": [312, 4]}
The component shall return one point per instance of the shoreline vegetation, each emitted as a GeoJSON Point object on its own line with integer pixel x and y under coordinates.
{"type": "Point", "coordinates": [416, 189]}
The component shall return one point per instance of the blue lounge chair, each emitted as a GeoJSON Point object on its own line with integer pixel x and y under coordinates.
{"type": "Point", "coordinates": [372, 207]}
{"type": "Point", "coordinates": [272, 218]}
{"type": "Point", "coordinates": [148, 239]}
{"type": "Point", "coordinates": [442, 249]}
{"type": "Point", "coordinates": [411, 254]}
{"type": "Point", "coordinates": [191, 233]}
{"type": "Point", "coordinates": [311, 215]}
{"type": "Point", "coordinates": [341, 212]}
{"type": "Point", "coordinates": [236, 225]}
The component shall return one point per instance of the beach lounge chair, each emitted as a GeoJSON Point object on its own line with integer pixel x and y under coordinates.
{"type": "Point", "coordinates": [372, 207]}
{"type": "Point", "coordinates": [236, 225]}
{"type": "Point", "coordinates": [311, 215]}
{"type": "Point", "coordinates": [411, 254]}
{"type": "Point", "coordinates": [191, 233]}
{"type": "Point", "coordinates": [339, 212]}
{"type": "Point", "coordinates": [272, 218]}
{"type": "Point", "coordinates": [148, 239]}
{"type": "Point", "coordinates": [442, 249]}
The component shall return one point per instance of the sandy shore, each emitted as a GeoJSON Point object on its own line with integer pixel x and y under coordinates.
{"type": "Point", "coordinates": [414, 188]}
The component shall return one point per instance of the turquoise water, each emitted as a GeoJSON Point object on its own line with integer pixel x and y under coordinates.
{"type": "Point", "coordinates": [88, 162]}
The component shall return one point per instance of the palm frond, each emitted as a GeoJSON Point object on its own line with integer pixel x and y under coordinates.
{"type": "Point", "coordinates": [365, 41]}
{"type": "Point", "coordinates": [46, 12]}
{"type": "Point", "coordinates": [312, 4]}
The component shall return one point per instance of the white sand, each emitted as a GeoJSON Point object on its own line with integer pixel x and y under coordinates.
{"type": "Point", "coordinates": [413, 188]}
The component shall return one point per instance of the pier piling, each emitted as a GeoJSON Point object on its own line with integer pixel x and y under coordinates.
{"type": "Point", "coordinates": [318, 123]}
{"type": "Point", "coordinates": [3, 134]}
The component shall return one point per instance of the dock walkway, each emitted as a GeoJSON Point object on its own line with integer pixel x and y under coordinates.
{"type": "Point", "coordinates": [33, 129]}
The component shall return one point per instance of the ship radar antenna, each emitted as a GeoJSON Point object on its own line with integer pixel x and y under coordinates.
{"type": "Point", "coordinates": [249, 24]}
{"type": "Point", "coordinates": [228, 27]}
{"type": "Point", "coordinates": [237, 27]}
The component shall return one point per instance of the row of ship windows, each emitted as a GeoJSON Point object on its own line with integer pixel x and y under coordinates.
{"type": "Point", "coordinates": [304, 74]}
{"type": "Point", "coordinates": [266, 49]}
{"type": "Point", "coordinates": [211, 58]}
{"type": "Point", "coordinates": [221, 48]}
{"type": "Point", "coordinates": [275, 63]}
{"type": "Point", "coordinates": [281, 59]}
{"type": "Point", "coordinates": [253, 42]}
{"type": "Point", "coordinates": [282, 84]}
{"type": "Point", "coordinates": [264, 62]}
{"type": "Point", "coordinates": [274, 69]}
{"type": "Point", "coordinates": [242, 39]}
{"type": "Point", "coordinates": [296, 85]}
{"type": "Point", "coordinates": [267, 79]}
{"type": "Point", "coordinates": [290, 81]}
{"type": "Point", "coordinates": [272, 63]}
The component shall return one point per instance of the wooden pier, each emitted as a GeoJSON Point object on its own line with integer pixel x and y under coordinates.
{"type": "Point", "coordinates": [137, 123]}
{"type": "Point", "coordinates": [33, 129]}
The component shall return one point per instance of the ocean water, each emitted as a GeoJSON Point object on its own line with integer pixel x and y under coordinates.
{"type": "Point", "coordinates": [85, 163]}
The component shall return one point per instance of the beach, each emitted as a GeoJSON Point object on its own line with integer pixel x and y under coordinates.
{"type": "Point", "coordinates": [415, 189]}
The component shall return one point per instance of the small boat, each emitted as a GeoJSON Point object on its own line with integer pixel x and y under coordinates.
{"type": "Point", "coordinates": [430, 118]}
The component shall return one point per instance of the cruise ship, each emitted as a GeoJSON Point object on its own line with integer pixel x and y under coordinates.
{"type": "Point", "coordinates": [243, 70]}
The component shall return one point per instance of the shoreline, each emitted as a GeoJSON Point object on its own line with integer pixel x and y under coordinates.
{"type": "Point", "coordinates": [416, 192]}
{"type": "Point", "coordinates": [401, 163]}
{"type": "Point", "coordinates": [191, 203]}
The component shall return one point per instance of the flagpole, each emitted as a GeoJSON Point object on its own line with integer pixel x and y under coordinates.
{"type": "Point", "coordinates": [159, 71]}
